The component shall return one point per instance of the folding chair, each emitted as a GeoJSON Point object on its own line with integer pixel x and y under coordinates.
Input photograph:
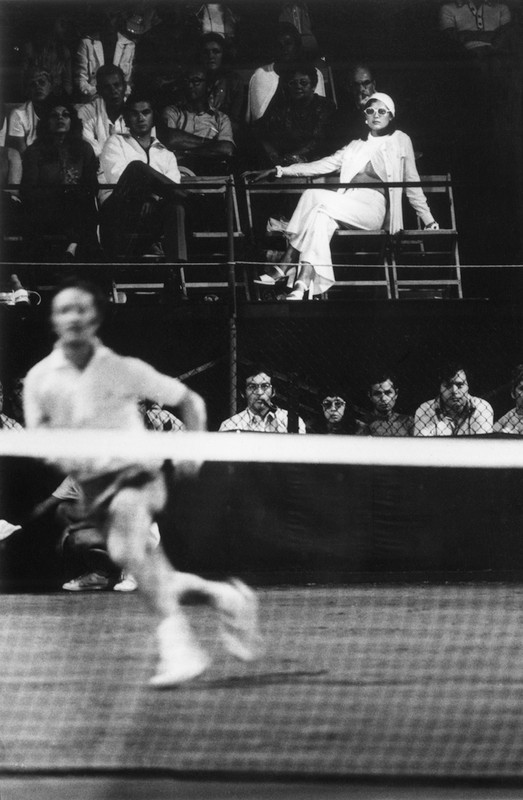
{"type": "Point", "coordinates": [369, 249]}
{"type": "Point", "coordinates": [216, 225]}
{"type": "Point", "coordinates": [414, 248]}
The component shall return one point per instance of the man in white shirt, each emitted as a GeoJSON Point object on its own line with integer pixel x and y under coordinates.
{"type": "Point", "coordinates": [261, 414]}
{"type": "Point", "coordinates": [455, 412]}
{"type": "Point", "coordinates": [84, 385]}
{"type": "Point", "coordinates": [104, 115]}
{"type": "Point", "coordinates": [23, 120]}
{"type": "Point", "coordinates": [147, 197]}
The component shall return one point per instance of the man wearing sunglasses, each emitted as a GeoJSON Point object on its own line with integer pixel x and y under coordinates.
{"type": "Point", "coordinates": [261, 415]}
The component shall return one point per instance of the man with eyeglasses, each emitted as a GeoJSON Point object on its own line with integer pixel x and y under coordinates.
{"type": "Point", "coordinates": [384, 420]}
{"type": "Point", "coordinates": [261, 414]}
{"type": "Point", "coordinates": [360, 85]}
{"type": "Point", "coordinates": [196, 133]}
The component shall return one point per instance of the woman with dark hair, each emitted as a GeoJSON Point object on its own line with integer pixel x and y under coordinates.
{"type": "Point", "coordinates": [385, 156]}
{"type": "Point", "coordinates": [295, 126]}
{"type": "Point", "coordinates": [336, 417]}
{"type": "Point", "coordinates": [59, 183]}
{"type": "Point", "coordinates": [224, 86]}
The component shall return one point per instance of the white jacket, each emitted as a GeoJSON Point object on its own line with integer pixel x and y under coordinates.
{"type": "Point", "coordinates": [394, 162]}
{"type": "Point", "coordinates": [90, 56]}
{"type": "Point", "coordinates": [121, 149]}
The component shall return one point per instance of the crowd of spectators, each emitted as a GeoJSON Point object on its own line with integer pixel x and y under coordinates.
{"type": "Point", "coordinates": [217, 116]}
{"type": "Point", "coordinates": [67, 535]}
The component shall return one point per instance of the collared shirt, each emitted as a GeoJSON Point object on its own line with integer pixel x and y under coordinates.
{"type": "Point", "coordinates": [104, 395]}
{"type": "Point", "coordinates": [511, 422]}
{"type": "Point", "coordinates": [393, 425]}
{"type": "Point", "coordinates": [212, 125]}
{"type": "Point", "coordinates": [273, 422]}
{"type": "Point", "coordinates": [9, 424]}
{"type": "Point", "coordinates": [464, 16]}
{"type": "Point", "coordinates": [121, 149]}
{"type": "Point", "coordinates": [431, 420]}
{"type": "Point", "coordinates": [23, 121]}
{"type": "Point", "coordinates": [97, 127]}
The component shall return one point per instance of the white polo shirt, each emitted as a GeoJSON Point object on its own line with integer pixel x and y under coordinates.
{"type": "Point", "coordinates": [104, 395]}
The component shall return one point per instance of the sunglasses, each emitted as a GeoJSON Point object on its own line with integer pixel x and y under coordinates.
{"type": "Point", "coordinates": [380, 111]}
{"type": "Point", "coordinates": [336, 403]}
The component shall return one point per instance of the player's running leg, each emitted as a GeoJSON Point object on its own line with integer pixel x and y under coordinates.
{"type": "Point", "coordinates": [130, 516]}
{"type": "Point", "coordinates": [237, 609]}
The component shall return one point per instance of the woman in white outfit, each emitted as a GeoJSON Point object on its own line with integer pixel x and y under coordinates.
{"type": "Point", "coordinates": [386, 155]}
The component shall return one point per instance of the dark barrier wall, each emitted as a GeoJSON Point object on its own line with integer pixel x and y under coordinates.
{"type": "Point", "coordinates": [300, 523]}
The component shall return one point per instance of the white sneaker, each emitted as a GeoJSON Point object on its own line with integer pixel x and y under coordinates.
{"type": "Point", "coordinates": [181, 659]}
{"type": "Point", "coordinates": [127, 583]}
{"type": "Point", "coordinates": [238, 621]}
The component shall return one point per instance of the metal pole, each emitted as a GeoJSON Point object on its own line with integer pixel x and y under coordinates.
{"type": "Point", "coordinates": [233, 332]}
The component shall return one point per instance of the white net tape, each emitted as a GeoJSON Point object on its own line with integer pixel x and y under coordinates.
{"type": "Point", "coordinates": [313, 449]}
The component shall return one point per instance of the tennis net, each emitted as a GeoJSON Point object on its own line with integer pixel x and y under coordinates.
{"type": "Point", "coordinates": [388, 574]}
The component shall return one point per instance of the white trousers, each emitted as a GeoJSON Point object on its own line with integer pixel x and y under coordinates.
{"type": "Point", "coordinates": [319, 213]}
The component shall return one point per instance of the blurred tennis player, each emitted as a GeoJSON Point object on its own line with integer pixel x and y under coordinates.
{"type": "Point", "coordinates": [83, 384]}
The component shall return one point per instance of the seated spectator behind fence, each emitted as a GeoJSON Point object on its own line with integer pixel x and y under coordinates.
{"type": "Point", "coordinates": [454, 412]}
{"type": "Point", "coordinates": [335, 417]}
{"type": "Point", "coordinates": [348, 123]}
{"type": "Point", "coordinates": [264, 82]}
{"type": "Point", "coordinates": [157, 418]}
{"type": "Point", "coordinates": [147, 198]}
{"type": "Point", "coordinates": [103, 116]}
{"type": "Point", "coordinates": [21, 126]}
{"type": "Point", "coordinates": [201, 138]}
{"type": "Point", "coordinates": [59, 184]}
{"type": "Point", "coordinates": [261, 415]}
{"type": "Point", "coordinates": [384, 420]}
{"type": "Point", "coordinates": [7, 423]}
{"type": "Point", "coordinates": [386, 155]}
{"type": "Point", "coordinates": [295, 126]}
{"type": "Point", "coordinates": [512, 421]}
{"type": "Point", "coordinates": [224, 86]}
{"type": "Point", "coordinates": [108, 43]}
{"type": "Point", "coordinates": [47, 48]}
{"type": "Point", "coordinates": [83, 545]}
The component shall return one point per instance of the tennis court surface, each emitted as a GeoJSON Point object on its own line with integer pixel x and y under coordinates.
{"type": "Point", "coordinates": [361, 683]}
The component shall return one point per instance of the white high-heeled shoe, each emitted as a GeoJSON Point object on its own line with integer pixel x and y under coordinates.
{"type": "Point", "coordinates": [299, 292]}
{"type": "Point", "coordinates": [269, 280]}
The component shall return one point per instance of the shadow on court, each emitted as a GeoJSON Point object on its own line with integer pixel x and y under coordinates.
{"type": "Point", "coordinates": [370, 685]}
